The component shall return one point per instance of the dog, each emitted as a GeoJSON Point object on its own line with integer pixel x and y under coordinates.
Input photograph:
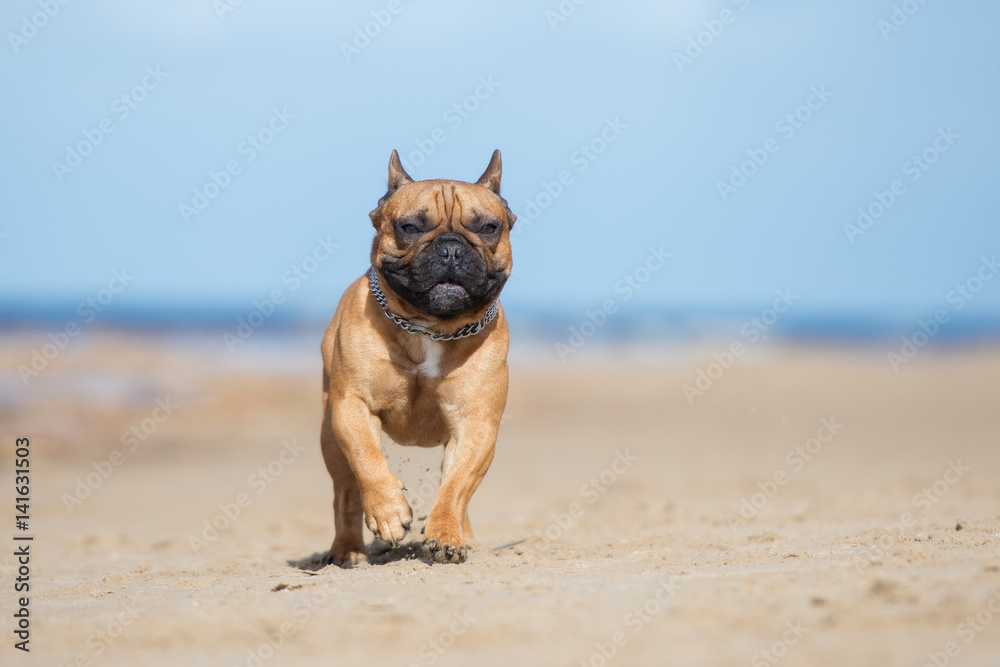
{"type": "Point", "coordinates": [417, 348]}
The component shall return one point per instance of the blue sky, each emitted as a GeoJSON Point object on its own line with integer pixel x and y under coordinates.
{"type": "Point", "coordinates": [199, 85]}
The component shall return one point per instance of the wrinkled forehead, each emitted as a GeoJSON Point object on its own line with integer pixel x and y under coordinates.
{"type": "Point", "coordinates": [444, 201]}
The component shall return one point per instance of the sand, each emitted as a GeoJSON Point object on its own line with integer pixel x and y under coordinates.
{"type": "Point", "coordinates": [813, 507]}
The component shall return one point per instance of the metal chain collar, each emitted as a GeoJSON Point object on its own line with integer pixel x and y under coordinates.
{"type": "Point", "coordinates": [411, 328]}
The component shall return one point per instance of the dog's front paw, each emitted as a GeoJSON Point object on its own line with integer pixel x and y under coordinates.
{"type": "Point", "coordinates": [388, 515]}
{"type": "Point", "coordinates": [444, 546]}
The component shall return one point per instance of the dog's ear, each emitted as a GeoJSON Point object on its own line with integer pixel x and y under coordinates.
{"type": "Point", "coordinates": [397, 178]}
{"type": "Point", "coordinates": [491, 177]}
{"type": "Point", "coordinates": [491, 181]}
{"type": "Point", "coordinates": [397, 175]}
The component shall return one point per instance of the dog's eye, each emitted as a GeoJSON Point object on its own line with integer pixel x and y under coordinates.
{"type": "Point", "coordinates": [410, 229]}
{"type": "Point", "coordinates": [488, 228]}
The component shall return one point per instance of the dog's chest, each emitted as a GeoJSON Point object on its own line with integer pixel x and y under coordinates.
{"type": "Point", "coordinates": [430, 367]}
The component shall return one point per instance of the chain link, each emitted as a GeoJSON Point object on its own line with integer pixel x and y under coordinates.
{"type": "Point", "coordinates": [411, 328]}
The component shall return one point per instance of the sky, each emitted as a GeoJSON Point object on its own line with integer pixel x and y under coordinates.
{"type": "Point", "coordinates": [683, 156]}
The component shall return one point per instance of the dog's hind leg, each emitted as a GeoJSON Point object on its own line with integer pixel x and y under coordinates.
{"type": "Point", "coordinates": [348, 547]}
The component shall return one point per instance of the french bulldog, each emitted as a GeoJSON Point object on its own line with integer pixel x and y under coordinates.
{"type": "Point", "coordinates": [417, 349]}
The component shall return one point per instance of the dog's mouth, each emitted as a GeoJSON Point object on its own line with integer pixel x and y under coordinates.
{"type": "Point", "coordinates": [448, 291]}
{"type": "Point", "coordinates": [443, 294]}
{"type": "Point", "coordinates": [448, 300]}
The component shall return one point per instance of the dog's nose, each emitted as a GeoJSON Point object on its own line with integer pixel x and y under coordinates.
{"type": "Point", "coordinates": [450, 246]}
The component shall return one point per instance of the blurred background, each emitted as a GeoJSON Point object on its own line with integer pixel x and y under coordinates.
{"type": "Point", "coordinates": [657, 124]}
{"type": "Point", "coordinates": [756, 241]}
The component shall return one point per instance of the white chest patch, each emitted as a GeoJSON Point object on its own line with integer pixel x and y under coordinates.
{"type": "Point", "coordinates": [431, 365]}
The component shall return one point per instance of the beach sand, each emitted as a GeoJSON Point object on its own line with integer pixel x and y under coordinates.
{"type": "Point", "coordinates": [812, 507]}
